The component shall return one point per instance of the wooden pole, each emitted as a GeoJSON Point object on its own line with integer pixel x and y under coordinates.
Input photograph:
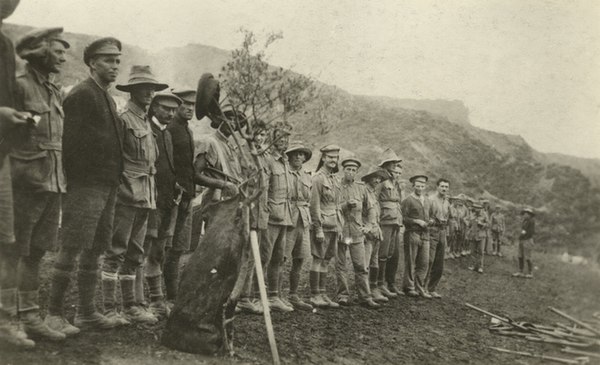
{"type": "Point", "coordinates": [577, 361]}
{"type": "Point", "coordinates": [263, 296]}
{"type": "Point", "coordinates": [576, 321]}
{"type": "Point", "coordinates": [501, 319]}
{"type": "Point", "coordinates": [571, 351]}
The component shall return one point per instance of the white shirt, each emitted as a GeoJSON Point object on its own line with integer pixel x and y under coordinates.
{"type": "Point", "coordinates": [160, 126]}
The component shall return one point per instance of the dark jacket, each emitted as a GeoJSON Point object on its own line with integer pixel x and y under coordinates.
{"type": "Point", "coordinates": [165, 169]}
{"type": "Point", "coordinates": [413, 209]}
{"type": "Point", "coordinates": [183, 155]}
{"type": "Point", "coordinates": [8, 87]}
{"type": "Point", "coordinates": [527, 228]}
{"type": "Point", "coordinates": [92, 136]}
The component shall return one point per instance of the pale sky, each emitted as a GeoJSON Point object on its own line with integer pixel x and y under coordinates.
{"type": "Point", "coordinates": [524, 67]}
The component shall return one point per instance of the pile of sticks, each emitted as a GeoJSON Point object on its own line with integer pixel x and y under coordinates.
{"type": "Point", "coordinates": [579, 338]}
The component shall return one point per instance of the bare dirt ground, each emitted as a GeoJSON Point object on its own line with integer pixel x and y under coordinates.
{"type": "Point", "coordinates": [405, 331]}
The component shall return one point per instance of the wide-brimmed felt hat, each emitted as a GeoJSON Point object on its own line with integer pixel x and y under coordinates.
{"type": "Point", "coordinates": [141, 75]}
{"type": "Point", "coordinates": [375, 172]}
{"type": "Point", "coordinates": [187, 95]}
{"type": "Point", "coordinates": [351, 161]}
{"type": "Point", "coordinates": [102, 46]}
{"type": "Point", "coordinates": [35, 43]}
{"type": "Point", "coordinates": [527, 210]}
{"type": "Point", "coordinates": [207, 96]}
{"type": "Point", "coordinates": [389, 156]}
{"type": "Point", "coordinates": [296, 146]}
{"type": "Point", "coordinates": [166, 98]}
{"type": "Point", "coordinates": [418, 178]}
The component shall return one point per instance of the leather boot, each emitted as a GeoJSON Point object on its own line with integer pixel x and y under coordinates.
{"type": "Point", "coordinates": [369, 303]}
{"type": "Point", "coordinates": [323, 291]}
{"type": "Point", "coordinates": [378, 296]}
{"type": "Point", "coordinates": [299, 304]}
{"type": "Point", "coordinates": [316, 300]}
{"type": "Point", "coordinates": [29, 316]}
{"type": "Point", "coordinates": [87, 317]}
{"type": "Point", "coordinates": [10, 331]}
{"type": "Point", "coordinates": [385, 291]}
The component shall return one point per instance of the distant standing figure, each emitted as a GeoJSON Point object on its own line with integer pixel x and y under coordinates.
{"type": "Point", "coordinates": [498, 227]}
{"type": "Point", "coordinates": [478, 235]}
{"type": "Point", "coordinates": [526, 244]}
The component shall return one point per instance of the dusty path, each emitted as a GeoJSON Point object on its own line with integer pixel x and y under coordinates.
{"type": "Point", "coordinates": [405, 331]}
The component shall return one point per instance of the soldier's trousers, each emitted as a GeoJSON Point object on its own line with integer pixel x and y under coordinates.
{"type": "Point", "coordinates": [416, 259]}
{"type": "Point", "coordinates": [358, 255]}
{"type": "Point", "coordinates": [496, 241]}
{"type": "Point", "coordinates": [477, 253]}
{"type": "Point", "coordinates": [272, 251]}
{"type": "Point", "coordinates": [390, 250]}
{"type": "Point", "coordinates": [437, 248]}
{"type": "Point", "coordinates": [126, 253]}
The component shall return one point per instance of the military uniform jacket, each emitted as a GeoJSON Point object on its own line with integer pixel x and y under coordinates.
{"type": "Point", "coordinates": [279, 203]}
{"type": "Point", "coordinates": [300, 194]}
{"type": "Point", "coordinates": [479, 226]}
{"type": "Point", "coordinates": [140, 152]}
{"type": "Point", "coordinates": [390, 201]}
{"type": "Point", "coordinates": [183, 155]}
{"type": "Point", "coordinates": [462, 217]}
{"type": "Point", "coordinates": [92, 136]}
{"type": "Point", "coordinates": [375, 229]}
{"type": "Point", "coordinates": [439, 211]}
{"type": "Point", "coordinates": [37, 163]}
{"type": "Point", "coordinates": [527, 229]}
{"type": "Point", "coordinates": [412, 209]}
{"type": "Point", "coordinates": [497, 222]}
{"type": "Point", "coordinates": [165, 168]}
{"type": "Point", "coordinates": [354, 225]}
{"type": "Point", "coordinates": [222, 156]}
{"type": "Point", "coordinates": [325, 211]}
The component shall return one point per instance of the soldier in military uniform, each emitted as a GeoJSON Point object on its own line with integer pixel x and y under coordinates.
{"type": "Point", "coordinates": [135, 200]}
{"type": "Point", "coordinates": [526, 243]}
{"type": "Point", "coordinates": [183, 158]}
{"type": "Point", "coordinates": [354, 202]}
{"type": "Point", "coordinates": [38, 178]}
{"type": "Point", "coordinates": [327, 223]}
{"type": "Point", "coordinates": [273, 243]}
{"type": "Point", "coordinates": [478, 234]}
{"type": "Point", "coordinates": [461, 217]}
{"type": "Point", "coordinates": [439, 214]}
{"type": "Point", "coordinates": [374, 236]}
{"type": "Point", "coordinates": [298, 235]}
{"type": "Point", "coordinates": [453, 229]}
{"type": "Point", "coordinates": [93, 161]}
{"type": "Point", "coordinates": [161, 222]}
{"type": "Point", "coordinates": [498, 227]}
{"type": "Point", "coordinates": [415, 212]}
{"type": "Point", "coordinates": [390, 198]}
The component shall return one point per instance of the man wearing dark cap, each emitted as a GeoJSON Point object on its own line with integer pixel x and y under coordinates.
{"type": "Point", "coordinates": [135, 199]}
{"type": "Point", "coordinates": [298, 235]}
{"type": "Point", "coordinates": [439, 214]}
{"type": "Point", "coordinates": [327, 223]}
{"type": "Point", "coordinates": [92, 156]}
{"type": "Point", "coordinates": [526, 244]}
{"type": "Point", "coordinates": [355, 203]}
{"type": "Point", "coordinates": [415, 212]}
{"type": "Point", "coordinates": [37, 173]}
{"type": "Point", "coordinates": [373, 236]}
{"type": "Point", "coordinates": [11, 121]}
{"type": "Point", "coordinates": [183, 157]}
{"type": "Point", "coordinates": [161, 222]}
{"type": "Point", "coordinates": [390, 198]}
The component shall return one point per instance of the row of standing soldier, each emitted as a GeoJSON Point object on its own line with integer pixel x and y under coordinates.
{"type": "Point", "coordinates": [131, 181]}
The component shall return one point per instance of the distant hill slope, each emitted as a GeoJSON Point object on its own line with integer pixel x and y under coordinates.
{"type": "Point", "coordinates": [431, 136]}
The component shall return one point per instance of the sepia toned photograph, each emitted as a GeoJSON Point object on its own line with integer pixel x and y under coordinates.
{"type": "Point", "coordinates": [299, 182]}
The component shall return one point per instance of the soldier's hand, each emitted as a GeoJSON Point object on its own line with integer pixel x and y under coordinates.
{"type": "Point", "coordinates": [320, 236]}
{"type": "Point", "coordinates": [12, 116]}
{"type": "Point", "coordinates": [421, 223]}
{"type": "Point", "coordinates": [230, 189]}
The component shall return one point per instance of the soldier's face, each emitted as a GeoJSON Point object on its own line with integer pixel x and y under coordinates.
{"type": "Point", "coordinates": [186, 110]}
{"type": "Point", "coordinates": [164, 113]}
{"type": "Point", "coordinates": [350, 172]}
{"type": "Point", "coordinates": [281, 144]}
{"type": "Point", "coordinates": [296, 159]}
{"type": "Point", "coordinates": [330, 160]}
{"type": "Point", "coordinates": [419, 187]}
{"type": "Point", "coordinates": [56, 56]}
{"type": "Point", "coordinates": [374, 181]}
{"type": "Point", "coordinates": [142, 94]}
{"type": "Point", "coordinates": [106, 67]}
{"type": "Point", "coordinates": [260, 137]}
{"type": "Point", "coordinates": [443, 188]}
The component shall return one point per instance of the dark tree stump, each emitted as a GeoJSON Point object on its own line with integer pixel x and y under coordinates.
{"type": "Point", "coordinates": [198, 322]}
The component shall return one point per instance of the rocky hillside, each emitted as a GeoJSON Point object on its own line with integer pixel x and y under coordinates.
{"type": "Point", "coordinates": [432, 136]}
